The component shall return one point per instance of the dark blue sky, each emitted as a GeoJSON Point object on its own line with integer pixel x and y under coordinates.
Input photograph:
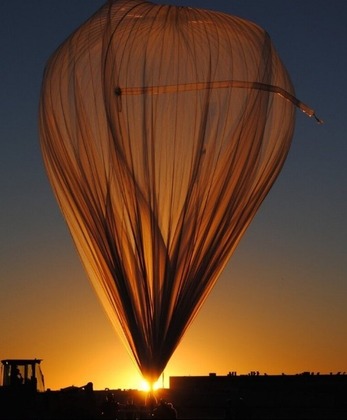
{"type": "Point", "coordinates": [290, 266]}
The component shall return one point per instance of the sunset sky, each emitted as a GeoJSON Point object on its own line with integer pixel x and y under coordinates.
{"type": "Point", "coordinates": [280, 304]}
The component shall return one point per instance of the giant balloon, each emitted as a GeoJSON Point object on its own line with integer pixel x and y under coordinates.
{"type": "Point", "coordinates": [162, 130]}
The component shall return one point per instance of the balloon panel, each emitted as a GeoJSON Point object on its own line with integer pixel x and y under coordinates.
{"type": "Point", "coordinates": [162, 130]}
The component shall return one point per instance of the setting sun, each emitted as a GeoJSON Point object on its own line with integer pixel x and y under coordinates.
{"type": "Point", "coordinates": [146, 386]}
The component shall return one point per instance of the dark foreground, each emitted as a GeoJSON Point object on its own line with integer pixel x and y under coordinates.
{"type": "Point", "coordinates": [210, 397]}
{"type": "Point", "coordinates": [304, 396]}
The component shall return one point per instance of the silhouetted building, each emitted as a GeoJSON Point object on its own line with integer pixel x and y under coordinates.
{"type": "Point", "coordinates": [301, 396]}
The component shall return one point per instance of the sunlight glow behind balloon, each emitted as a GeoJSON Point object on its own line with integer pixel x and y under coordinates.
{"type": "Point", "coordinates": [162, 130]}
{"type": "Point", "coordinates": [148, 387]}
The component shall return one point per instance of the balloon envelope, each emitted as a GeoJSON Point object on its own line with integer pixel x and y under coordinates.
{"type": "Point", "coordinates": [162, 130]}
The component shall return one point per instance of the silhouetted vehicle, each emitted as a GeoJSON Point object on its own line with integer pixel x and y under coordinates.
{"type": "Point", "coordinates": [23, 395]}
{"type": "Point", "coordinates": [22, 372]}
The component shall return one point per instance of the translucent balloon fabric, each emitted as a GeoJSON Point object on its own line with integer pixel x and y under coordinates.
{"type": "Point", "coordinates": [162, 130]}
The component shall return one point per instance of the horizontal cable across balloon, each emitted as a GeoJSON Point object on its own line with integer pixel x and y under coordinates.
{"type": "Point", "coordinates": [186, 87]}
